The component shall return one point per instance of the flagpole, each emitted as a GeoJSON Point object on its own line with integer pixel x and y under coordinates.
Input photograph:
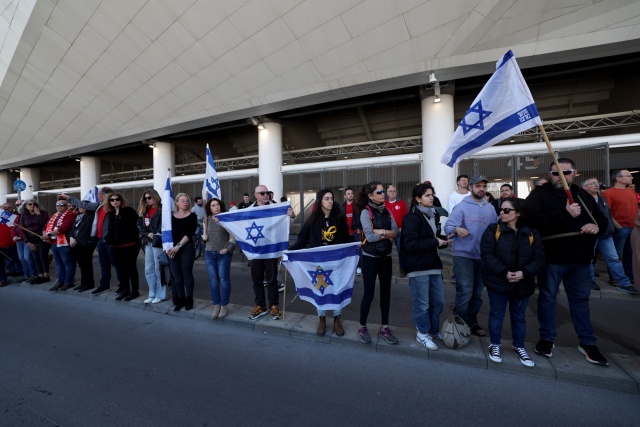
{"type": "Point", "coordinates": [284, 294]}
{"type": "Point", "coordinates": [555, 161]}
{"type": "Point", "coordinates": [28, 231]}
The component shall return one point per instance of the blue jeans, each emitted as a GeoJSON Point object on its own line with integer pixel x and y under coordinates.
{"type": "Point", "coordinates": [469, 287]}
{"type": "Point", "coordinates": [428, 302]}
{"type": "Point", "coordinates": [24, 254]}
{"type": "Point", "coordinates": [577, 286]}
{"type": "Point", "coordinates": [106, 259]}
{"type": "Point", "coordinates": [517, 312]}
{"type": "Point", "coordinates": [152, 272]}
{"type": "Point", "coordinates": [616, 270]}
{"type": "Point", "coordinates": [218, 269]}
{"type": "Point", "coordinates": [65, 264]}
{"type": "Point", "coordinates": [621, 238]}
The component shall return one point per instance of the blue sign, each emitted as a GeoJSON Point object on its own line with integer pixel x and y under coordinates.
{"type": "Point", "coordinates": [19, 185]}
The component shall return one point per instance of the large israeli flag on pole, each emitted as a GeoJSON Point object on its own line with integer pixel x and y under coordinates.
{"type": "Point", "coordinates": [262, 232]}
{"type": "Point", "coordinates": [211, 187]}
{"type": "Point", "coordinates": [168, 206]}
{"type": "Point", "coordinates": [324, 275]}
{"type": "Point", "coordinates": [503, 108]}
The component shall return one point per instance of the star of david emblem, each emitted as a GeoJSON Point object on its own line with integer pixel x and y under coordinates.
{"type": "Point", "coordinates": [250, 235]}
{"type": "Point", "coordinates": [320, 278]}
{"type": "Point", "coordinates": [475, 112]}
{"type": "Point", "coordinates": [215, 184]}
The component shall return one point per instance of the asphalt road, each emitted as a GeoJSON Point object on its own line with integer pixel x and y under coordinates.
{"type": "Point", "coordinates": [75, 362]}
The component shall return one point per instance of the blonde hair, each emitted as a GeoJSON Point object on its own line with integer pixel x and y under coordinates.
{"type": "Point", "coordinates": [175, 201]}
{"type": "Point", "coordinates": [142, 208]}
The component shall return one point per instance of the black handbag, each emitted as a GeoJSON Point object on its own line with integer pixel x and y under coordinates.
{"type": "Point", "coordinates": [164, 259]}
{"type": "Point", "coordinates": [157, 241]}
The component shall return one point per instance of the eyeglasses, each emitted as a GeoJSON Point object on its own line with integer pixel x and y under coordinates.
{"type": "Point", "coordinates": [262, 193]}
{"type": "Point", "coordinates": [378, 192]}
{"type": "Point", "coordinates": [592, 183]}
{"type": "Point", "coordinates": [567, 172]}
{"type": "Point", "coordinates": [117, 199]}
{"type": "Point", "coordinates": [18, 205]}
{"type": "Point", "coordinates": [60, 205]}
{"type": "Point", "coordinates": [148, 198]}
{"type": "Point", "coordinates": [507, 210]}
{"type": "Point", "coordinates": [30, 204]}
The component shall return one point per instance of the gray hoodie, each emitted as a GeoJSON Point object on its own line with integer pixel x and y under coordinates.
{"type": "Point", "coordinates": [475, 217]}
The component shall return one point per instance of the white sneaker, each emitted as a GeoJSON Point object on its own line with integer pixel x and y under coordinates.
{"type": "Point", "coordinates": [359, 271]}
{"type": "Point", "coordinates": [148, 300]}
{"type": "Point", "coordinates": [494, 353]}
{"type": "Point", "coordinates": [155, 301]}
{"type": "Point", "coordinates": [523, 356]}
{"type": "Point", "coordinates": [427, 341]}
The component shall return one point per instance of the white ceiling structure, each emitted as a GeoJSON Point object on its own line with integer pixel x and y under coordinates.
{"type": "Point", "coordinates": [81, 75]}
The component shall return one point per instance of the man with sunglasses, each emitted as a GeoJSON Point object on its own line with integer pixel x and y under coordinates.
{"type": "Point", "coordinates": [569, 232]}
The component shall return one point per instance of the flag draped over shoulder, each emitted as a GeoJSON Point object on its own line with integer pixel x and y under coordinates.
{"type": "Point", "coordinates": [324, 275]}
{"type": "Point", "coordinates": [7, 217]}
{"type": "Point", "coordinates": [167, 213]}
{"type": "Point", "coordinates": [211, 187]}
{"type": "Point", "coordinates": [262, 232]}
{"type": "Point", "coordinates": [503, 108]}
{"type": "Point", "coordinates": [92, 195]}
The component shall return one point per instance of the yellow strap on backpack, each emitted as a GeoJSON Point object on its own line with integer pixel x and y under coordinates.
{"type": "Point", "coordinates": [498, 231]}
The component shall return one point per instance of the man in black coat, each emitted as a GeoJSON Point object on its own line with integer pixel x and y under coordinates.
{"type": "Point", "coordinates": [569, 232]}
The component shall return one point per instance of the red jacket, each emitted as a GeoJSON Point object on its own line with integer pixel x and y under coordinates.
{"type": "Point", "coordinates": [398, 210]}
{"type": "Point", "coordinates": [6, 236]}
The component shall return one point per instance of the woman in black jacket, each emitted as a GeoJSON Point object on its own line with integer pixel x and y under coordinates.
{"type": "Point", "coordinates": [512, 255]}
{"type": "Point", "coordinates": [326, 226]}
{"type": "Point", "coordinates": [420, 261]}
{"type": "Point", "coordinates": [122, 235]}
{"type": "Point", "coordinates": [150, 232]}
{"type": "Point", "coordinates": [82, 246]}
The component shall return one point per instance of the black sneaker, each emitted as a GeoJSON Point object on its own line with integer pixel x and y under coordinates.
{"type": "Point", "coordinates": [593, 355]}
{"type": "Point", "coordinates": [99, 290]}
{"type": "Point", "coordinates": [628, 289]}
{"type": "Point", "coordinates": [545, 348]}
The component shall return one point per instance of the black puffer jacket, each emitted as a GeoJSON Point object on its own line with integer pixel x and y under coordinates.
{"type": "Point", "coordinates": [512, 251]}
{"type": "Point", "coordinates": [418, 244]}
{"type": "Point", "coordinates": [122, 229]}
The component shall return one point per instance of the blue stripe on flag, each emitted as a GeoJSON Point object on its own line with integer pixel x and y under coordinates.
{"type": "Point", "coordinates": [335, 255]}
{"type": "Point", "coordinates": [263, 249]}
{"type": "Point", "coordinates": [308, 294]}
{"type": "Point", "coordinates": [246, 214]}
{"type": "Point", "coordinates": [507, 56]}
{"type": "Point", "coordinates": [499, 128]}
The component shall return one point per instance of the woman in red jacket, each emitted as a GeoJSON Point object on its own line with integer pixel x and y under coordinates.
{"type": "Point", "coordinates": [57, 233]}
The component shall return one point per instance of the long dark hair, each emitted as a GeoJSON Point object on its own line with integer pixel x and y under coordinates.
{"type": "Point", "coordinates": [318, 214]}
{"type": "Point", "coordinates": [419, 190]}
{"type": "Point", "coordinates": [362, 198]}
{"type": "Point", "coordinates": [207, 206]}
{"type": "Point", "coordinates": [518, 206]}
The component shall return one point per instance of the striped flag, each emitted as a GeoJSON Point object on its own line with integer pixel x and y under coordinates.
{"type": "Point", "coordinates": [262, 232]}
{"type": "Point", "coordinates": [92, 195]}
{"type": "Point", "coordinates": [211, 187]}
{"type": "Point", "coordinates": [167, 214]}
{"type": "Point", "coordinates": [324, 275]}
{"type": "Point", "coordinates": [8, 218]}
{"type": "Point", "coordinates": [503, 108]}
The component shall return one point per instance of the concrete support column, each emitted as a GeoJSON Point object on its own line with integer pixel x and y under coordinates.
{"type": "Point", "coordinates": [270, 158]}
{"type": "Point", "coordinates": [32, 178]}
{"type": "Point", "coordinates": [4, 186]}
{"type": "Point", "coordinates": [90, 171]}
{"type": "Point", "coordinates": [164, 160]}
{"type": "Point", "coordinates": [437, 129]}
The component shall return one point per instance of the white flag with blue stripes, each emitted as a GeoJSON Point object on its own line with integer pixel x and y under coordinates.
{"type": "Point", "coordinates": [324, 275]}
{"type": "Point", "coordinates": [503, 108]}
{"type": "Point", "coordinates": [92, 195]}
{"type": "Point", "coordinates": [7, 217]}
{"type": "Point", "coordinates": [262, 232]}
{"type": "Point", "coordinates": [167, 214]}
{"type": "Point", "coordinates": [211, 187]}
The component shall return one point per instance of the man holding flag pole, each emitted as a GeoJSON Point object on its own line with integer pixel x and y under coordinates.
{"type": "Point", "coordinates": [504, 108]}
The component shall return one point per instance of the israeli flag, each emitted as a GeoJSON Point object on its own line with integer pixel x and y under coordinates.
{"type": "Point", "coordinates": [262, 232]}
{"type": "Point", "coordinates": [324, 275]}
{"type": "Point", "coordinates": [7, 217]}
{"type": "Point", "coordinates": [211, 187]}
{"type": "Point", "coordinates": [92, 195]}
{"type": "Point", "coordinates": [503, 108]}
{"type": "Point", "coordinates": [167, 214]}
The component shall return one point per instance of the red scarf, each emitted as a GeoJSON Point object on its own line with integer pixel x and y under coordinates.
{"type": "Point", "coordinates": [55, 222]}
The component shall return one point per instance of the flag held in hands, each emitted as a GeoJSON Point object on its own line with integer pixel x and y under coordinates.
{"type": "Point", "coordinates": [92, 195]}
{"type": "Point", "coordinates": [261, 232]}
{"type": "Point", "coordinates": [503, 108]}
{"type": "Point", "coordinates": [324, 275]}
{"type": "Point", "coordinates": [167, 214]}
{"type": "Point", "coordinates": [211, 187]}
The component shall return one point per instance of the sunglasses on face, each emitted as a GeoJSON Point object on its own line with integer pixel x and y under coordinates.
{"type": "Point", "coordinates": [507, 210]}
{"type": "Point", "coordinates": [117, 199]}
{"type": "Point", "coordinates": [567, 172]}
{"type": "Point", "coordinates": [378, 192]}
{"type": "Point", "coordinates": [60, 205]}
{"type": "Point", "coordinates": [30, 204]}
{"type": "Point", "coordinates": [148, 198]}
{"type": "Point", "coordinates": [262, 193]}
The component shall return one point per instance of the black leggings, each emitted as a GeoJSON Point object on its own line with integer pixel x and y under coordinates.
{"type": "Point", "coordinates": [41, 257]}
{"type": "Point", "coordinates": [182, 270]}
{"type": "Point", "coordinates": [126, 258]}
{"type": "Point", "coordinates": [373, 267]}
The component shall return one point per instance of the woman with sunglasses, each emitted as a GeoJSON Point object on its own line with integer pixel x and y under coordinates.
{"type": "Point", "coordinates": [326, 226]}
{"type": "Point", "coordinates": [122, 236]}
{"type": "Point", "coordinates": [379, 230]}
{"type": "Point", "coordinates": [150, 231]}
{"type": "Point", "coordinates": [217, 255]}
{"type": "Point", "coordinates": [182, 255]}
{"type": "Point", "coordinates": [33, 218]}
{"type": "Point", "coordinates": [512, 255]}
{"type": "Point", "coordinates": [57, 232]}
{"type": "Point", "coordinates": [420, 261]}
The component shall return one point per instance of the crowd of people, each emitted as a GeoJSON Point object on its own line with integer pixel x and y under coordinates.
{"type": "Point", "coordinates": [509, 245]}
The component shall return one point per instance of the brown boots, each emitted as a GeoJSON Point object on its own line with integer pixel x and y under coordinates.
{"type": "Point", "coordinates": [337, 326]}
{"type": "Point", "coordinates": [322, 326]}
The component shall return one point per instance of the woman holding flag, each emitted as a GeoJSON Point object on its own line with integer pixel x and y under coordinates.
{"type": "Point", "coordinates": [325, 226]}
{"type": "Point", "coordinates": [379, 230]}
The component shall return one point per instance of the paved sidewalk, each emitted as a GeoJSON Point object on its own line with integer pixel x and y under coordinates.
{"type": "Point", "coordinates": [300, 322]}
